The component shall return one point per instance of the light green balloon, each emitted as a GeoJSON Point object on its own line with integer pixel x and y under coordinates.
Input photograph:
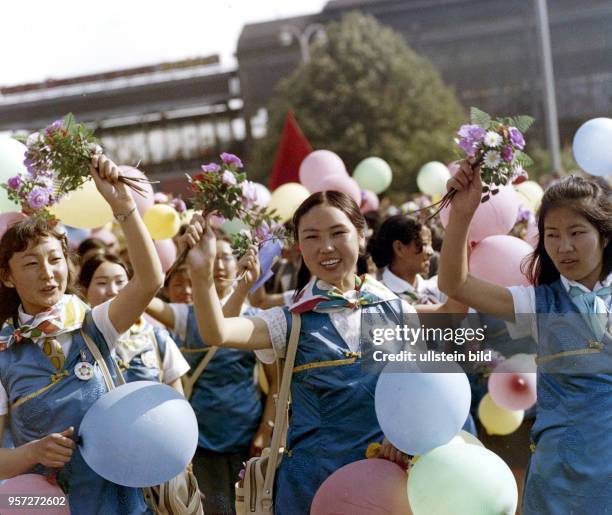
{"type": "Point", "coordinates": [234, 226]}
{"type": "Point", "coordinates": [461, 480]}
{"type": "Point", "coordinates": [11, 164]}
{"type": "Point", "coordinates": [374, 174]}
{"type": "Point", "coordinates": [432, 178]}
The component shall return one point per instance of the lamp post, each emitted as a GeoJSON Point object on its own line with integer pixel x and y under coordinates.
{"type": "Point", "coordinates": [290, 32]}
{"type": "Point", "coordinates": [550, 101]}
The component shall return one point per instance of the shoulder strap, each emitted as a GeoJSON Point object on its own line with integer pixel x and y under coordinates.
{"type": "Point", "coordinates": [190, 380]}
{"type": "Point", "coordinates": [282, 406]}
{"type": "Point", "coordinates": [108, 378]}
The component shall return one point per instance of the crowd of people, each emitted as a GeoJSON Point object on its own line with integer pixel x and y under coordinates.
{"type": "Point", "coordinates": [390, 263]}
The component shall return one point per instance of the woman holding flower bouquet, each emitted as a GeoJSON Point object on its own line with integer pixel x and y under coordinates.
{"type": "Point", "coordinates": [48, 380]}
{"type": "Point", "coordinates": [570, 468]}
{"type": "Point", "coordinates": [225, 397]}
{"type": "Point", "coordinates": [332, 415]}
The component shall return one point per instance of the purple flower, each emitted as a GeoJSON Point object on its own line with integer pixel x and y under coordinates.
{"type": "Point", "coordinates": [469, 137]}
{"type": "Point", "coordinates": [262, 232]}
{"type": "Point", "coordinates": [231, 159]}
{"type": "Point", "coordinates": [57, 124]}
{"type": "Point", "coordinates": [516, 138]}
{"type": "Point", "coordinates": [38, 198]}
{"type": "Point", "coordinates": [211, 167]}
{"type": "Point", "coordinates": [507, 154]}
{"type": "Point", "coordinates": [523, 214]}
{"type": "Point", "coordinates": [179, 205]}
{"type": "Point", "coordinates": [14, 182]}
{"type": "Point", "coordinates": [228, 178]}
{"type": "Point", "coordinates": [30, 164]}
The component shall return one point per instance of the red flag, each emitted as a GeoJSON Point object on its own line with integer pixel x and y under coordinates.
{"type": "Point", "coordinates": [292, 149]}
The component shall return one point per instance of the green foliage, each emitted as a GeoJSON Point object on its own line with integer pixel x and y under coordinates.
{"type": "Point", "coordinates": [366, 93]}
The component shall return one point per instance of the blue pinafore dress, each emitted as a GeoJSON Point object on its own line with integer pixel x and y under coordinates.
{"type": "Point", "coordinates": [43, 401]}
{"type": "Point", "coordinates": [332, 408]}
{"type": "Point", "coordinates": [225, 398]}
{"type": "Point", "coordinates": [146, 346]}
{"type": "Point", "coordinates": [571, 468]}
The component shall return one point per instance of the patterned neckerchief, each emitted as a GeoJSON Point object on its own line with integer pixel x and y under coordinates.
{"type": "Point", "coordinates": [67, 315]}
{"type": "Point", "coordinates": [322, 297]}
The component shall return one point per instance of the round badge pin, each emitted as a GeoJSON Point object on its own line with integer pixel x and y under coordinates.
{"type": "Point", "coordinates": [84, 371]}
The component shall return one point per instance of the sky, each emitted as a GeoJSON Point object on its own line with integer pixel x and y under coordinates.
{"type": "Point", "coordinates": [42, 39]}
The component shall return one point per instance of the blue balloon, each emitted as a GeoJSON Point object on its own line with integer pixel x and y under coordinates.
{"type": "Point", "coordinates": [419, 411]}
{"type": "Point", "coordinates": [140, 434]}
{"type": "Point", "coordinates": [592, 146]}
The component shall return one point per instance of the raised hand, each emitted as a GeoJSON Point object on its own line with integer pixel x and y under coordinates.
{"type": "Point", "coordinates": [54, 450]}
{"type": "Point", "coordinates": [106, 176]}
{"type": "Point", "coordinates": [249, 268]}
{"type": "Point", "coordinates": [468, 185]}
{"type": "Point", "coordinates": [202, 242]}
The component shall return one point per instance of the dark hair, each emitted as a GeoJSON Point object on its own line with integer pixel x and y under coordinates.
{"type": "Point", "coordinates": [89, 267]}
{"type": "Point", "coordinates": [335, 199]}
{"type": "Point", "coordinates": [18, 238]}
{"type": "Point", "coordinates": [587, 198]}
{"type": "Point", "coordinates": [395, 228]}
{"type": "Point", "coordinates": [89, 244]}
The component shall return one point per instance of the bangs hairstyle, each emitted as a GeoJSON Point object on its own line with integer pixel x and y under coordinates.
{"type": "Point", "coordinates": [400, 228]}
{"type": "Point", "coordinates": [89, 267]}
{"type": "Point", "coordinates": [17, 238]}
{"type": "Point", "coordinates": [335, 199]}
{"type": "Point", "coordinates": [585, 197]}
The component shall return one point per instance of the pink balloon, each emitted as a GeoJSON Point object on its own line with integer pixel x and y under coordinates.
{"type": "Point", "coordinates": [319, 165]}
{"type": "Point", "coordinates": [513, 391]}
{"type": "Point", "coordinates": [496, 216]}
{"type": "Point", "coordinates": [369, 201]}
{"type": "Point", "coordinates": [345, 184]}
{"type": "Point", "coordinates": [497, 259]}
{"type": "Point", "coordinates": [142, 203]}
{"type": "Point", "coordinates": [8, 219]}
{"type": "Point", "coordinates": [373, 486]}
{"type": "Point", "coordinates": [166, 250]}
{"type": "Point", "coordinates": [32, 484]}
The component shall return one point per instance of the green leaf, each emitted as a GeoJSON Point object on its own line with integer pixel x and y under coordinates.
{"type": "Point", "coordinates": [478, 117]}
{"type": "Point", "coordinates": [522, 123]}
{"type": "Point", "coordinates": [523, 159]}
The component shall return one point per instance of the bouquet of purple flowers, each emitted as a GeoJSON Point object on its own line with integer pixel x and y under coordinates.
{"type": "Point", "coordinates": [57, 159]}
{"type": "Point", "coordinates": [223, 190]}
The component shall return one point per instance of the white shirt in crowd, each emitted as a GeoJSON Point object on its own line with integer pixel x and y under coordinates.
{"type": "Point", "coordinates": [426, 289]}
{"type": "Point", "coordinates": [525, 303]}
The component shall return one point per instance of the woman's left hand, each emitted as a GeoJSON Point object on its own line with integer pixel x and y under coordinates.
{"type": "Point", "coordinates": [389, 452]}
{"type": "Point", "coordinates": [106, 176]}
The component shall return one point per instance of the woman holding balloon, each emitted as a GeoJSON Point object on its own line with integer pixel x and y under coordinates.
{"type": "Point", "coordinates": [144, 353]}
{"type": "Point", "coordinates": [333, 418]}
{"type": "Point", "coordinates": [48, 380]}
{"type": "Point", "coordinates": [571, 269]}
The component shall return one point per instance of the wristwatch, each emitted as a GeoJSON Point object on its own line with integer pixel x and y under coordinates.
{"type": "Point", "coordinates": [122, 217]}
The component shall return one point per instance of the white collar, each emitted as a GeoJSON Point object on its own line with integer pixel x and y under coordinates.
{"type": "Point", "coordinates": [398, 285]}
{"type": "Point", "coordinates": [567, 284]}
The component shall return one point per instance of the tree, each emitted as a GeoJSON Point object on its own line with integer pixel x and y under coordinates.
{"type": "Point", "coordinates": [366, 93]}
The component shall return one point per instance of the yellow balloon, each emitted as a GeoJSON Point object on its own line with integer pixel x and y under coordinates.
{"type": "Point", "coordinates": [496, 420]}
{"type": "Point", "coordinates": [287, 198]}
{"type": "Point", "coordinates": [162, 221]}
{"type": "Point", "coordinates": [531, 191]}
{"type": "Point", "coordinates": [84, 208]}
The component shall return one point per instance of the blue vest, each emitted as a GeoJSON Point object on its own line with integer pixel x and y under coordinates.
{"type": "Point", "coordinates": [25, 369]}
{"type": "Point", "coordinates": [332, 408]}
{"type": "Point", "coordinates": [147, 364]}
{"type": "Point", "coordinates": [225, 398]}
{"type": "Point", "coordinates": [571, 468]}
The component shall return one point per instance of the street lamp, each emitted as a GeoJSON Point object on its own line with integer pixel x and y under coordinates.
{"type": "Point", "coordinates": [288, 33]}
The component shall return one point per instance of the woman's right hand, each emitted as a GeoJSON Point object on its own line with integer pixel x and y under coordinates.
{"type": "Point", "coordinates": [468, 186]}
{"type": "Point", "coordinates": [202, 242]}
{"type": "Point", "coordinates": [54, 450]}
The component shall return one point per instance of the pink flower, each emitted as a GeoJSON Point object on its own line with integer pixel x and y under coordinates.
{"type": "Point", "coordinates": [211, 167]}
{"type": "Point", "coordinates": [249, 193]}
{"type": "Point", "coordinates": [228, 178]}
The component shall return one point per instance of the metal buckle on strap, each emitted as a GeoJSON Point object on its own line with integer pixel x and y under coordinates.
{"type": "Point", "coordinates": [59, 376]}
